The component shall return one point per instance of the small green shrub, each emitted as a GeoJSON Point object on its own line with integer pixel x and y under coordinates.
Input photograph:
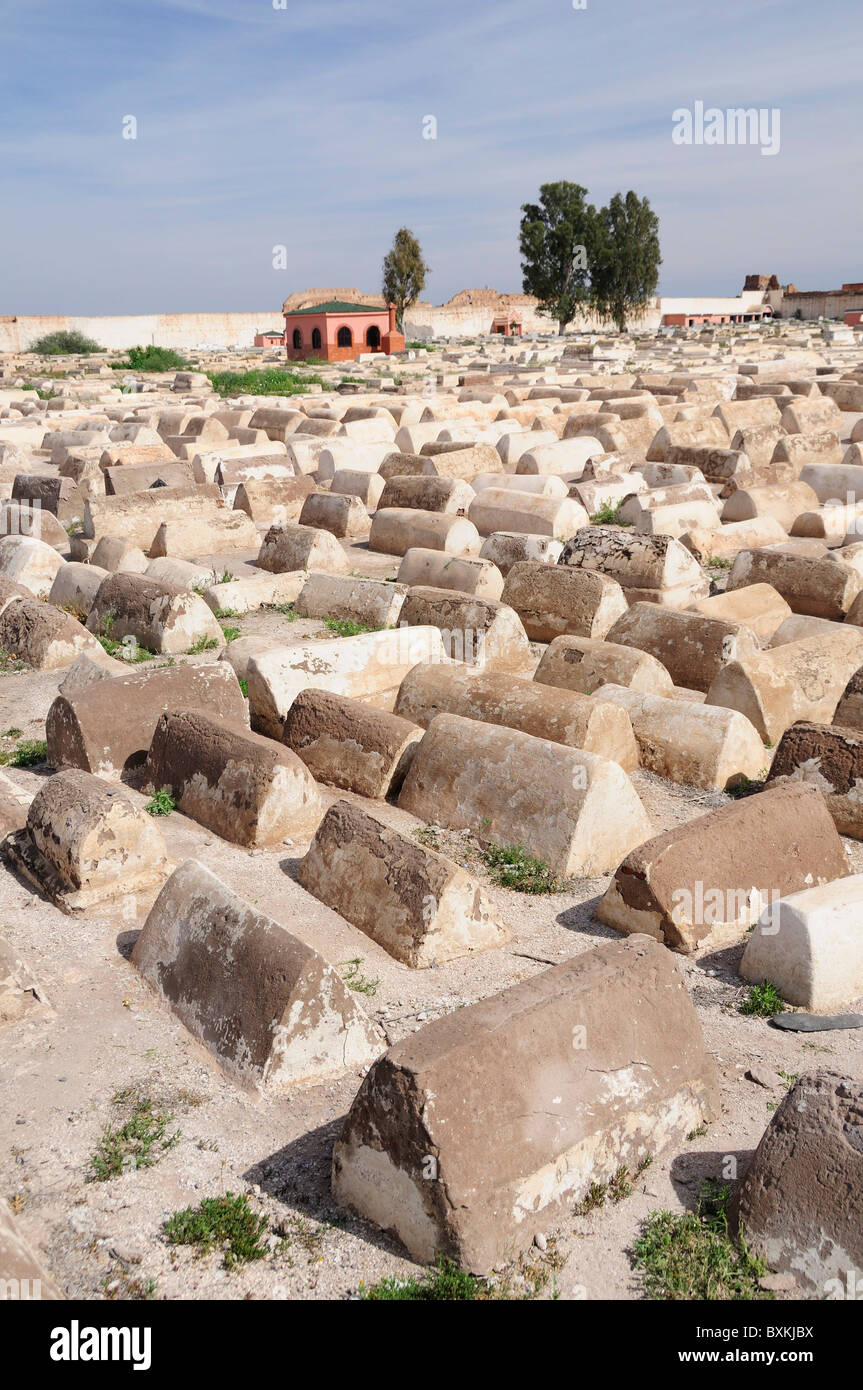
{"type": "Point", "coordinates": [445, 1283]}
{"type": "Point", "coordinates": [65, 340]}
{"type": "Point", "coordinates": [762, 1001]}
{"type": "Point", "coordinates": [355, 980]}
{"type": "Point", "coordinates": [28, 753]}
{"type": "Point", "coordinates": [226, 1223]}
{"type": "Point", "coordinates": [231, 633]}
{"type": "Point", "coordinates": [129, 650]}
{"type": "Point", "coordinates": [693, 1257]}
{"type": "Point", "coordinates": [608, 515]}
{"type": "Point", "coordinates": [203, 644]}
{"type": "Point", "coordinates": [154, 359]}
{"type": "Point", "coordinates": [512, 866]}
{"type": "Point", "coordinates": [162, 803]}
{"type": "Point", "coordinates": [138, 1143]}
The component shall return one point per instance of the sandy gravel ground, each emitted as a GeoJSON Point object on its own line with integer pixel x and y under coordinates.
{"type": "Point", "coordinates": [106, 1033]}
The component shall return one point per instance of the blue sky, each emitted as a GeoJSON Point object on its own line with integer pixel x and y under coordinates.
{"type": "Point", "coordinates": [303, 127]}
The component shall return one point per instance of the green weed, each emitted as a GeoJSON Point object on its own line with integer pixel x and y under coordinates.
{"type": "Point", "coordinates": [692, 1256]}
{"type": "Point", "coordinates": [227, 1223]}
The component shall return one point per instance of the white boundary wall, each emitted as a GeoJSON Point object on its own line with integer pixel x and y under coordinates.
{"type": "Point", "coordinates": [424, 321]}
{"type": "Point", "coordinates": [17, 333]}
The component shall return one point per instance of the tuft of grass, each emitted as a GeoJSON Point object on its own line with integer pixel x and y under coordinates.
{"type": "Point", "coordinates": [203, 644]}
{"type": "Point", "coordinates": [137, 1143]}
{"type": "Point", "coordinates": [129, 651]}
{"type": "Point", "coordinates": [744, 787]}
{"type": "Point", "coordinates": [762, 1001]}
{"type": "Point", "coordinates": [244, 686]}
{"type": "Point", "coordinates": [428, 835]}
{"type": "Point", "coordinates": [231, 633]}
{"type": "Point", "coordinates": [295, 1230]}
{"type": "Point", "coordinates": [512, 866]}
{"type": "Point", "coordinates": [717, 562]}
{"type": "Point", "coordinates": [126, 650]}
{"type": "Point", "coordinates": [620, 1187]}
{"type": "Point", "coordinates": [153, 359]}
{"type": "Point", "coordinates": [287, 610]}
{"type": "Point", "coordinates": [12, 733]}
{"type": "Point", "coordinates": [227, 613]}
{"type": "Point", "coordinates": [346, 627]}
{"type": "Point", "coordinates": [354, 979]}
{"type": "Point", "coordinates": [608, 515]}
{"type": "Point", "coordinates": [445, 1283]}
{"type": "Point", "coordinates": [10, 664]}
{"type": "Point", "coordinates": [226, 1223]}
{"type": "Point", "coordinates": [269, 381]}
{"type": "Point", "coordinates": [593, 1199]}
{"type": "Point", "coordinates": [162, 804]}
{"type": "Point", "coordinates": [27, 753]}
{"type": "Point", "coordinates": [122, 1288]}
{"type": "Point", "coordinates": [693, 1257]}
{"type": "Point", "coordinates": [225, 577]}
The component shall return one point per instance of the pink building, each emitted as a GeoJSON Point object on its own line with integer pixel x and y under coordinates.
{"type": "Point", "coordinates": [339, 332]}
{"type": "Point", "coordinates": [271, 339]}
{"type": "Point", "coordinates": [510, 325]}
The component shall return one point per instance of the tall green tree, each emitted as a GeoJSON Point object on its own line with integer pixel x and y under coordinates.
{"type": "Point", "coordinates": [404, 273]}
{"type": "Point", "coordinates": [556, 241]}
{"type": "Point", "coordinates": [624, 270]}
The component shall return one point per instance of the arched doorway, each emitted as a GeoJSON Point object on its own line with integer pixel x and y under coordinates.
{"type": "Point", "coordinates": [316, 338]}
{"type": "Point", "coordinates": [373, 337]}
{"type": "Point", "coordinates": [297, 338]}
{"type": "Point", "coordinates": [345, 338]}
